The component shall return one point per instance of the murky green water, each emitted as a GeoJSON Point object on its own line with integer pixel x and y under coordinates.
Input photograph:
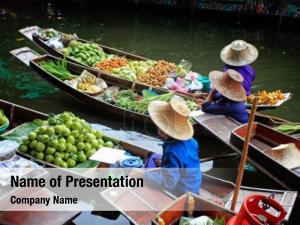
{"type": "Point", "coordinates": [167, 37]}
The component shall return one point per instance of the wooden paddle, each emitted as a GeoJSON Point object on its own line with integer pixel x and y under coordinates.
{"type": "Point", "coordinates": [244, 155]}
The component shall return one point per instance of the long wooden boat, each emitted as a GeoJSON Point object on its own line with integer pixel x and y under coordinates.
{"type": "Point", "coordinates": [29, 56]}
{"type": "Point", "coordinates": [262, 141]}
{"type": "Point", "coordinates": [213, 189]}
{"type": "Point", "coordinates": [221, 127]}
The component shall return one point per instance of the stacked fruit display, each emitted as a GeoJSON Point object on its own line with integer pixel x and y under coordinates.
{"type": "Point", "coordinates": [64, 140]}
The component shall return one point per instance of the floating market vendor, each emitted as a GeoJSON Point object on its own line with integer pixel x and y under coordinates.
{"type": "Point", "coordinates": [227, 95]}
{"type": "Point", "coordinates": [238, 55]}
{"type": "Point", "coordinates": [180, 165]}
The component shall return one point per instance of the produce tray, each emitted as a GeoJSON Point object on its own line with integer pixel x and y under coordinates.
{"type": "Point", "coordinates": [287, 96]}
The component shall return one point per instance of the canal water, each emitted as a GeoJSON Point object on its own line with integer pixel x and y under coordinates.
{"type": "Point", "coordinates": [164, 36]}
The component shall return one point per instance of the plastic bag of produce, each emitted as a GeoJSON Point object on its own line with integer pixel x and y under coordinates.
{"type": "Point", "coordinates": [202, 220]}
{"type": "Point", "coordinates": [55, 43]}
{"type": "Point", "coordinates": [7, 149]}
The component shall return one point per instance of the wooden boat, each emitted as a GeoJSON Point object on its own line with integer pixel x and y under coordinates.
{"type": "Point", "coordinates": [179, 208]}
{"type": "Point", "coordinates": [32, 34]}
{"type": "Point", "coordinates": [262, 141]}
{"type": "Point", "coordinates": [213, 189]}
{"type": "Point", "coordinates": [34, 60]}
{"type": "Point", "coordinates": [221, 127]}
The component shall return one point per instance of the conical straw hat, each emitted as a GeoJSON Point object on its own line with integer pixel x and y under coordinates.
{"type": "Point", "coordinates": [229, 84]}
{"type": "Point", "coordinates": [239, 53]}
{"type": "Point", "coordinates": [172, 118]}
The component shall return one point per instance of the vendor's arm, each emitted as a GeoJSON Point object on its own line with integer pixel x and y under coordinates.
{"type": "Point", "coordinates": [215, 108]}
{"type": "Point", "coordinates": [168, 176]}
{"type": "Point", "coordinates": [210, 96]}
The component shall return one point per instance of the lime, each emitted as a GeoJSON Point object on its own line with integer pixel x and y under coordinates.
{"type": "Point", "coordinates": [109, 144]}
{"type": "Point", "coordinates": [61, 147]}
{"type": "Point", "coordinates": [2, 120]}
{"type": "Point", "coordinates": [40, 146]}
{"type": "Point", "coordinates": [49, 158]}
{"type": "Point", "coordinates": [53, 143]}
{"type": "Point", "coordinates": [69, 124]}
{"type": "Point", "coordinates": [66, 156]}
{"type": "Point", "coordinates": [58, 161]}
{"type": "Point", "coordinates": [50, 150]}
{"type": "Point", "coordinates": [43, 129]}
{"type": "Point", "coordinates": [98, 134]}
{"type": "Point", "coordinates": [58, 129]}
{"type": "Point", "coordinates": [101, 142]}
{"type": "Point", "coordinates": [87, 146]}
{"type": "Point", "coordinates": [62, 140]}
{"type": "Point", "coordinates": [39, 155]}
{"type": "Point", "coordinates": [44, 138]}
{"type": "Point", "coordinates": [80, 146]}
{"type": "Point", "coordinates": [59, 155]}
{"type": "Point", "coordinates": [73, 149]}
{"type": "Point", "coordinates": [64, 165]}
{"type": "Point", "coordinates": [50, 131]}
{"type": "Point", "coordinates": [95, 143]}
{"type": "Point", "coordinates": [33, 144]}
{"type": "Point", "coordinates": [23, 148]}
{"type": "Point", "coordinates": [75, 133]}
{"type": "Point", "coordinates": [76, 126]}
{"type": "Point", "coordinates": [69, 147]}
{"type": "Point", "coordinates": [32, 135]}
{"type": "Point", "coordinates": [26, 141]}
{"type": "Point", "coordinates": [89, 153]}
{"type": "Point", "coordinates": [66, 116]}
{"type": "Point", "coordinates": [81, 158]}
{"type": "Point", "coordinates": [71, 139]}
{"type": "Point", "coordinates": [66, 132]}
{"type": "Point", "coordinates": [71, 163]}
{"type": "Point", "coordinates": [81, 137]}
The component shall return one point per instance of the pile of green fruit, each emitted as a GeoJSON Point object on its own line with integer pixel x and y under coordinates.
{"type": "Point", "coordinates": [3, 118]}
{"type": "Point", "coordinates": [64, 140]}
{"type": "Point", "coordinates": [85, 53]}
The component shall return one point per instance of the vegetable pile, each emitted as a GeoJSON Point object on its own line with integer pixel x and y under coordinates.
{"type": "Point", "coordinates": [129, 100]}
{"type": "Point", "coordinates": [289, 128]}
{"type": "Point", "coordinates": [156, 76]}
{"type": "Point", "coordinates": [64, 140]}
{"type": "Point", "coordinates": [85, 53]}
{"type": "Point", "coordinates": [3, 118]}
{"type": "Point", "coordinates": [58, 68]}
{"type": "Point", "coordinates": [108, 65]}
{"type": "Point", "coordinates": [267, 98]}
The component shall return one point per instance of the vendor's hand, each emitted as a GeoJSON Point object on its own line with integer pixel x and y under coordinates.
{"type": "Point", "coordinates": [136, 173]}
{"type": "Point", "coordinates": [200, 95]}
{"type": "Point", "coordinates": [158, 163]}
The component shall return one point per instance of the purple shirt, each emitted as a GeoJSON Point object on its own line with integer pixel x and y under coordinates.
{"type": "Point", "coordinates": [247, 73]}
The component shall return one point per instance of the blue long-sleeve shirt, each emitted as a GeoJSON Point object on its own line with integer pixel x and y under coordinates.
{"type": "Point", "coordinates": [224, 106]}
{"type": "Point", "coordinates": [247, 73]}
{"type": "Point", "coordinates": [180, 165]}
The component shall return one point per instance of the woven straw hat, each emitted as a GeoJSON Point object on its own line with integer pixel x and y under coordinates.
{"type": "Point", "coordinates": [239, 53]}
{"type": "Point", "coordinates": [229, 84]}
{"type": "Point", "coordinates": [172, 118]}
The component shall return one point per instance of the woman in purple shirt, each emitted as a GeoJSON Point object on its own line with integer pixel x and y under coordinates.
{"type": "Point", "coordinates": [237, 56]}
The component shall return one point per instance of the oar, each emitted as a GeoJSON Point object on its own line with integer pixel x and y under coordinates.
{"type": "Point", "coordinates": [244, 155]}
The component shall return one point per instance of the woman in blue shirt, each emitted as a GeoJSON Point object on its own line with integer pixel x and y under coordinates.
{"type": "Point", "coordinates": [227, 96]}
{"type": "Point", "coordinates": [180, 164]}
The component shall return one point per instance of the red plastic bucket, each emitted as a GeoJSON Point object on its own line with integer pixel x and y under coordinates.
{"type": "Point", "coordinates": [256, 210]}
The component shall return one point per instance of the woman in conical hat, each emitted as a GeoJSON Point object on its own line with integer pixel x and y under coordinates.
{"type": "Point", "coordinates": [238, 55]}
{"type": "Point", "coordinates": [180, 164]}
{"type": "Point", "coordinates": [227, 95]}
